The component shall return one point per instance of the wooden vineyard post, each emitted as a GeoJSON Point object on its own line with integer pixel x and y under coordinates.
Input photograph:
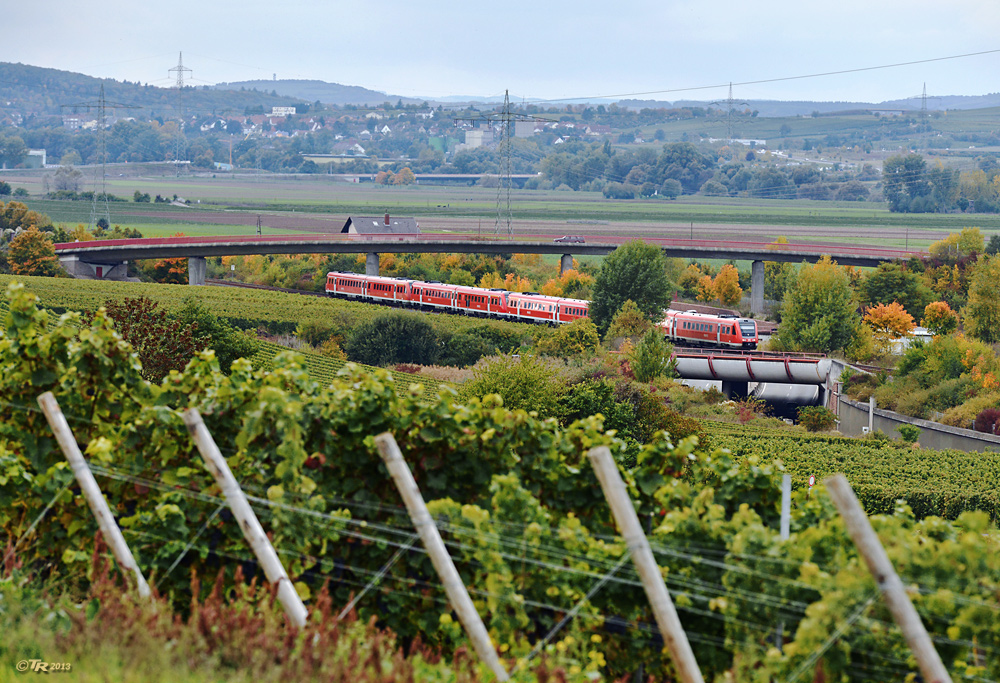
{"type": "Point", "coordinates": [870, 548]}
{"type": "Point", "coordinates": [786, 532]}
{"type": "Point", "coordinates": [91, 491]}
{"type": "Point", "coordinates": [245, 517]}
{"type": "Point", "coordinates": [649, 572]}
{"type": "Point", "coordinates": [458, 596]}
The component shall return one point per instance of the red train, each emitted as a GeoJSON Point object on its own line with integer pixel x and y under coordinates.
{"type": "Point", "coordinates": [702, 329]}
{"type": "Point", "coordinates": [474, 301]}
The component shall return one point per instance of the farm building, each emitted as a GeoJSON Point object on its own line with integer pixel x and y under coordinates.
{"type": "Point", "coordinates": [380, 225]}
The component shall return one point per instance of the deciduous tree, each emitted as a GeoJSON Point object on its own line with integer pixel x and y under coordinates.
{"type": "Point", "coordinates": [637, 271]}
{"type": "Point", "coordinates": [894, 282]}
{"type": "Point", "coordinates": [32, 253]}
{"type": "Point", "coordinates": [888, 322]}
{"type": "Point", "coordinates": [982, 315]}
{"type": "Point", "coordinates": [727, 286]}
{"type": "Point", "coordinates": [161, 344]}
{"type": "Point", "coordinates": [628, 323]}
{"type": "Point", "coordinates": [819, 313]}
{"type": "Point", "coordinates": [939, 318]}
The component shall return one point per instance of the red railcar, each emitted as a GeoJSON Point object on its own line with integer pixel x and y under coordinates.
{"type": "Point", "coordinates": [476, 301]}
{"type": "Point", "coordinates": [702, 329]}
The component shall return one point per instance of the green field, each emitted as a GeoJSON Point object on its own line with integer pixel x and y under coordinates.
{"type": "Point", "coordinates": [285, 201]}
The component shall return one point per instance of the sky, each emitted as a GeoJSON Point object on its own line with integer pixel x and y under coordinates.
{"type": "Point", "coordinates": [555, 50]}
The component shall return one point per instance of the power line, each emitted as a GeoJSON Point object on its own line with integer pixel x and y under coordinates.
{"type": "Point", "coordinates": [772, 80]}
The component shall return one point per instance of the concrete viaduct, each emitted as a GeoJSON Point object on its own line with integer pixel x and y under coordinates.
{"type": "Point", "coordinates": [108, 259]}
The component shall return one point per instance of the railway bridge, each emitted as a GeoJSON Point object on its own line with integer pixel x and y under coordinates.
{"type": "Point", "coordinates": [737, 369]}
{"type": "Point", "coordinates": [107, 259]}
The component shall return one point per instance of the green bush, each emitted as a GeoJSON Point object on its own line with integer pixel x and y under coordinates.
{"type": "Point", "coordinates": [524, 382]}
{"type": "Point", "coordinates": [461, 349]}
{"type": "Point", "coordinates": [578, 338]}
{"type": "Point", "coordinates": [228, 342]}
{"type": "Point", "coordinates": [816, 418]}
{"type": "Point", "coordinates": [314, 332]}
{"type": "Point", "coordinates": [651, 357]}
{"type": "Point", "coordinates": [908, 433]}
{"type": "Point", "coordinates": [394, 338]}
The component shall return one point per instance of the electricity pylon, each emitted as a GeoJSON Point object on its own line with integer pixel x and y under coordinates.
{"type": "Point", "coordinates": [506, 120]}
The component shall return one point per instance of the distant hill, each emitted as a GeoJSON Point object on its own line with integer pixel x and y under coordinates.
{"type": "Point", "coordinates": [34, 90]}
{"type": "Point", "coordinates": [807, 107]}
{"type": "Point", "coordinates": [313, 90]}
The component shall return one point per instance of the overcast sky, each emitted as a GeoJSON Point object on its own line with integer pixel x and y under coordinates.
{"type": "Point", "coordinates": [539, 51]}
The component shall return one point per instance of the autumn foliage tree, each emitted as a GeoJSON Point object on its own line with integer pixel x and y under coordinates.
{"type": "Point", "coordinates": [170, 271]}
{"type": "Point", "coordinates": [727, 286]}
{"type": "Point", "coordinates": [939, 318]}
{"type": "Point", "coordinates": [32, 253]}
{"type": "Point", "coordinates": [706, 288]}
{"type": "Point", "coordinates": [14, 215]}
{"type": "Point", "coordinates": [888, 322]}
{"type": "Point", "coordinates": [162, 344]}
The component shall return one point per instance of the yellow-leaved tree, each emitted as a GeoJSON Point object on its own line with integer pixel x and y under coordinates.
{"type": "Point", "coordinates": [727, 286]}
{"type": "Point", "coordinates": [706, 289]}
{"type": "Point", "coordinates": [939, 318]}
{"type": "Point", "coordinates": [888, 322]}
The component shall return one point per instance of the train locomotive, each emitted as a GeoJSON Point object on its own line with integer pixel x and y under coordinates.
{"type": "Point", "coordinates": [701, 329]}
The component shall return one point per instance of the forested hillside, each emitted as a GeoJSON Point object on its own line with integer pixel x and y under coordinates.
{"type": "Point", "coordinates": [34, 91]}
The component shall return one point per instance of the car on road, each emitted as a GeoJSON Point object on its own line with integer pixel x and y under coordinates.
{"type": "Point", "coordinates": [570, 239]}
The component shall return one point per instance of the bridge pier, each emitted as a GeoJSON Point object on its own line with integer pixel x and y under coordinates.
{"type": "Point", "coordinates": [197, 267]}
{"type": "Point", "coordinates": [371, 264]}
{"type": "Point", "coordinates": [757, 288]}
{"type": "Point", "coordinates": [85, 270]}
{"type": "Point", "coordinates": [565, 263]}
{"type": "Point", "coordinates": [735, 390]}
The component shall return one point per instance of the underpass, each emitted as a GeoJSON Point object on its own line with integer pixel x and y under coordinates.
{"type": "Point", "coordinates": [784, 380]}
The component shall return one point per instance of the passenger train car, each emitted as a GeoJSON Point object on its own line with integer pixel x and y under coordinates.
{"type": "Point", "coordinates": [475, 301]}
{"type": "Point", "coordinates": [679, 327]}
{"type": "Point", "coordinates": [702, 329]}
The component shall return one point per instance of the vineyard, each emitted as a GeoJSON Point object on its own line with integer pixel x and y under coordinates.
{"type": "Point", "coordinates": [278, 312]}
{"type": "Point", "coordinates": [514, 497]}
{"type": "Point", "coordinates": [324, 370]}
{"type": "Point", "coordinates": [320, 367]}
{"type": "Point", "coordinates": [942, 483]}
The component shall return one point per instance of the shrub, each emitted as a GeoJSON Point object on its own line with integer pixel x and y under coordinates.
{"type": "Point", "coordinates": [861, 385]}
{"type": "Point", "coordinates": [908, 433]}
{"type": "Point", "coordinates": [816, 418]}
{"type": "Point", "coordinates": [394, 338]}
{"type": "Point", "coordinates": [713, 396]}
{"type": "Point", "coordinates": [331, 349]}
{"type": "Point", "coordinates": [462, 349]}
{"type": "Point", "coordinates": [988, 421]}
{"type": "Point", "coordinates": [313, 332]}
{"type": "Point", "coordinates": [213, 332]}
{"type": "Point", "coordinates": [965, 415]}
{"type": "Point", "coordinates": [651, 357]}
{"type": "Point", "coordinates": [524, 382]}
{"type": "Point", "coordinates": [578, 338]}
{"type": "Point", "coordinates": [751, 407]}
